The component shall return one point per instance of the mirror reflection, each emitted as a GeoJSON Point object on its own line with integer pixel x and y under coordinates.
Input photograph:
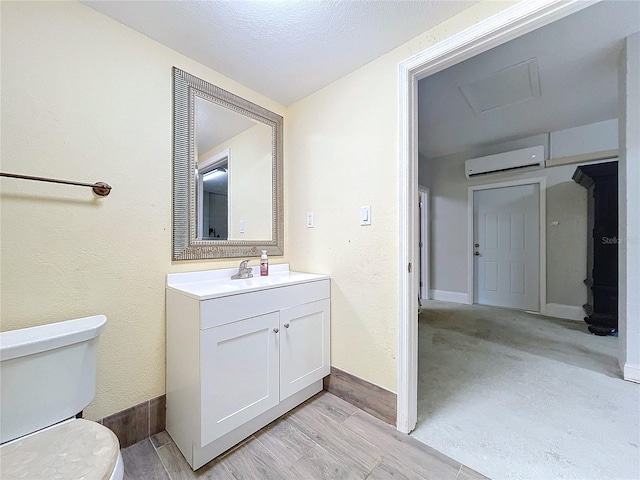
{"type": "Point", "coordinates": [233, 174]}
{"type": "Point", "coordinates": [227, 173]}
{"type": "Point", "coordinates": [213, 202]}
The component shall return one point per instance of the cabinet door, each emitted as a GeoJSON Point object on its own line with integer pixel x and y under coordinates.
{"type": "Point", "coordinates": [304, 346]}
{"type": "Point", "coordinates": [239, 373]}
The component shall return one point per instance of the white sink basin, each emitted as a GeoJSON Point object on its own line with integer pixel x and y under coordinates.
{"type": "Point", "coordinates": [217, 283]}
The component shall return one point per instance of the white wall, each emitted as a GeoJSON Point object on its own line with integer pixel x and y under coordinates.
{"type": "Point", "coordinates": [629, 208]}
{"type": "Point", "coordinates": [566, 204]}
{"type": "Point", "coordinates": [85, 98]}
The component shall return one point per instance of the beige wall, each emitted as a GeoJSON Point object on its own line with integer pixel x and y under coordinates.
{"type": "Point", "coordinates": [87, 99]}
{"type": "Point", "coordinates": [342, 152]}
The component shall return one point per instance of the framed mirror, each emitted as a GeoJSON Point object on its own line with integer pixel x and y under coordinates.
{"type": "Point", "coordinates": [227, 173]}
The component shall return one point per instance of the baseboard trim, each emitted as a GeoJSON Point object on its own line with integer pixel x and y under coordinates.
{"type": "Point", "coordinates": [568, 312]}
{"type": "Point", "coordinates": [631, 372]}
{"type": "Point", "coordinates": [371, 398]}
{"type": "Point", "coordinates": [138, 422]}
{"type": "Point", "coordinates": [454, 297]}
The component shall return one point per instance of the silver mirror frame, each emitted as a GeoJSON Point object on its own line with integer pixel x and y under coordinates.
{"type": "Point", "coordinates": [185, 244]}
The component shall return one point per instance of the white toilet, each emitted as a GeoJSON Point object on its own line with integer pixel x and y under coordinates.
{"type": "Point", "coordinates": [47, 376]}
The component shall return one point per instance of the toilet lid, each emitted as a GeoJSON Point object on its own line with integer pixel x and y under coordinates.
{"type": "Point", "coordinates": [73, 450]}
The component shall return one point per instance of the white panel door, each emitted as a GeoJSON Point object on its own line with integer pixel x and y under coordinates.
{"type": "Point", "coordinates": [506, 224]}
{"type": "Point", "coordinates": [239, 373]}
{"type": "Point", "coordinates": [304, 346]}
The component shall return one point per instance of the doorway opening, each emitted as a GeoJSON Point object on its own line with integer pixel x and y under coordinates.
{"type": "Point", "coordinates": [509, 24]}
{"type": "Point", "coordinates": [429, 63]}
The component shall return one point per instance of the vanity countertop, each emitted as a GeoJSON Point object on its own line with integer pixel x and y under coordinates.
{"type": "Point", "coordinates": [210, 284]}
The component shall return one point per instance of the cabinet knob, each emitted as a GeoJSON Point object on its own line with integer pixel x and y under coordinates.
{"type": "Point", "coordinates": [276, 330]}
{"type": "Point", "coordinates": [286, 325]}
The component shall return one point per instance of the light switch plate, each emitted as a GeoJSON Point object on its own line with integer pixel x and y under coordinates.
{"type": "Point", "coordinates": [365, 215]}
{"type": "Point", "coordinates": [309, 219]}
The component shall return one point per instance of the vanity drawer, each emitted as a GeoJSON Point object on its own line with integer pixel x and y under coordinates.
{"type": "Point", "coordinates": [220, 311]}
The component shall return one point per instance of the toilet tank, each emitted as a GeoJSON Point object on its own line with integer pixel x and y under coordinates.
{"type": "Point", "coordinates": [47, 374]}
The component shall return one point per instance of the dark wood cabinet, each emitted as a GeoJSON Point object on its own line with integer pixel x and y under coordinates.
{"type": "Point", "coordinates": [601, 180]}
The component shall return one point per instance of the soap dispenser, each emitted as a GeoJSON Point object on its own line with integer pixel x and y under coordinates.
{"type": "Point", "coordinates": [264, 264]}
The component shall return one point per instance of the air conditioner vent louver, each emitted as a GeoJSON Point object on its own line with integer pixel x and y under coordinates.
{"type": "Point", "coordinates": [526, 158]}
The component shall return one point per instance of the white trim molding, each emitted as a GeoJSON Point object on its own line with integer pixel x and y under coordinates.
{"type": "Point", "coordinates": [542, 182]}
{"type": "Point", "coordinates": [517, 20]}
{"type": "Point", "coordinates": [568, 312]}
{"type": "Point", "coordinates": [454, 297]}
{"type": "Point", "coordinates": [631, 373]}
{"type": "Point", "coordinates": [407, 400]}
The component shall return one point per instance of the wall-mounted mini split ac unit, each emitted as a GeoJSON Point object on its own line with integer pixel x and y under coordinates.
{"type": "Point", "coordinates": [527, 158]}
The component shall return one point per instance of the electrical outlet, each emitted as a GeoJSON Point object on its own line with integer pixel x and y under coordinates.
{"type": "Point", "coordinates": [241, 226]}
{"type": "Point", "coordinates": [309, 219]}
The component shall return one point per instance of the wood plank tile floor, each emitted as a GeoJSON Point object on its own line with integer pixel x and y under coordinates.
{"type": "Point", "coordinates": [324, 438]}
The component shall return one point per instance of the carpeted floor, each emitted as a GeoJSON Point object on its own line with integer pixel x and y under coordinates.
{"type": "Point", "coordinates": [521, 396]}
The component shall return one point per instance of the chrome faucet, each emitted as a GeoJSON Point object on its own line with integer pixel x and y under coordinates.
{"type": "Point", "coordinates": [243, 271]}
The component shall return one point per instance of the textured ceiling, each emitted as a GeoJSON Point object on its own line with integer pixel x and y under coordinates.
{"type": "Point", "coordinates": [285, 49]}
{"type": "Point", "coordinates": [577, 64]}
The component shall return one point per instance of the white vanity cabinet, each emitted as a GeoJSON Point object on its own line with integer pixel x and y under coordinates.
{"type": "Point", "coordinates": [241, 353]}
{"type": "Point", "coordinates": [239, 363]}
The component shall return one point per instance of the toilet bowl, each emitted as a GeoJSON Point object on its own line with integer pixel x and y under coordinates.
{"type": "Point", "coordinates": [47, 376]}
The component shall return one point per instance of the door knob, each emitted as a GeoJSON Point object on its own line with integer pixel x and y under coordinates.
{"type": "Point", "coordinates": [477, 245]}
{"type": "Point", "coordinates": [276, 330]}
{"type": "Point", "coordinates": [477, 254]}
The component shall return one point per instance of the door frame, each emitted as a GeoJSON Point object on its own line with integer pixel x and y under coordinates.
{"type": "Point", "coordinates": [425, 233]}
{"type": "Point", "coordinates": [513, 22]}
{"type": "Point", "coordinates": [542, 216]}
